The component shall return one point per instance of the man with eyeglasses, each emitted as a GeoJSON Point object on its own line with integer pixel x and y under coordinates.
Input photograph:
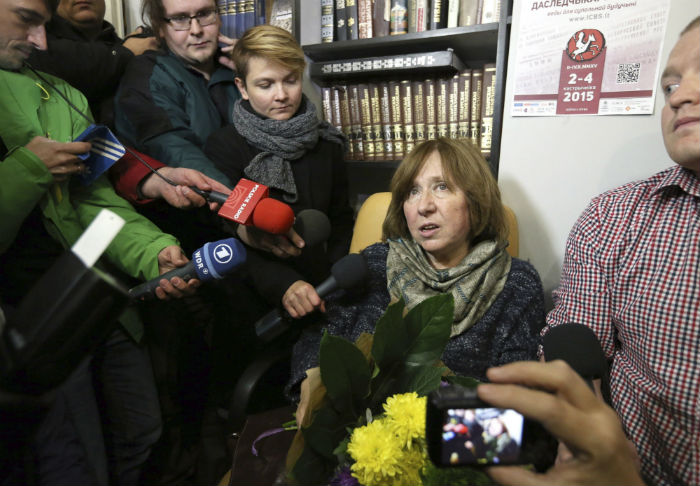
{"type": "Point", "coordinates": [169, 101]}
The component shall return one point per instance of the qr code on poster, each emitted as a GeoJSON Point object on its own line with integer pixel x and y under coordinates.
{"type": "Point", "coordinates": [628, 73]}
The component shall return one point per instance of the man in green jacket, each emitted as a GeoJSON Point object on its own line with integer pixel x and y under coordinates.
{"type": "Point", "coordinates": [43, 210]}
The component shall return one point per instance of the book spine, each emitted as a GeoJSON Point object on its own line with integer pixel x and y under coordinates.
{"type": "Point", "coordinates": [377, 133]}
{"type": "Point", "coordinates": [341, 27]}
{"type": "Point", "coordinates": [326, 104]}
{"type": "Point", "coordinates": [260, 12]}
{"type": "Point", "coordinates": [422, 15]}
{"type": "Point", "coordinates": [240, 17]}
{"type": "Point", "coordinates": [409, 129]}
{"type": "Point", "coordinates": [327, 20]}
{"type": "Point", "coordinates": [452, 13]}
{"type": "Point", "coordinates": [380, 18]}
{"type": "Point", "coordinates": [387, 128]}
{"type": "Point", "coordinates": [366, 123]}
{"type": "Point", "coordinates": [351, 18]}
{"type": "Point", "coordinates": [398, 23]}
{"type": "Point", "coordinates": [345, 122]}
{"type": "Point", "coordinates": [467, 13]}
{"type": "Point", "coordinates": [430, 119]}
{"type": "Point", "coordinates": [222, 10]}
{"type": "Point", "coordinates": [336, 119]}
{"type": "Point", "coordinates": [364, 16]}
{"type": "Point", "coordinates": [438, 14]}
{"type": "Point", "coordinates": [465, 80]}
{"type": "Point", "coordinates": [441, 111]}
{"type": "Point", "coordinates": [249, 14]}
{"type": "Point", "coordinates": [490, 11]}
{"type": "Point", "coordinates": [418, 92]}
{"type": "Point", "coordinates": [355, 120]}
{"type": "Point", "coordinates": [411, 15]}
{"type": "Point", "coordinates": [475, 107]}
{"type": "Point", "coordinates": [397, 119]}
{"type": "Point", "coordinates": [488, 96]}
{"type": "Point", "coordinates": [453, 107]}
{"type": "Point", "coordinates": [232, 9]}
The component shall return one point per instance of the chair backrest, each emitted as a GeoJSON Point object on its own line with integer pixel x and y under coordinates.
{"type": "Point", "coordinates": [368, 225]}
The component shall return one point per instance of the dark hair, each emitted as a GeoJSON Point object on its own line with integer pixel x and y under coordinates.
{"type": "Point", "coordinates": [466, 168]}
{"type": "Point", "coordinates": [153, 15]}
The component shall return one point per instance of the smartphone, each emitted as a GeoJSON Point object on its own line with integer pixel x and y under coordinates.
{"type": "Point", "coordinates": [463, 430]}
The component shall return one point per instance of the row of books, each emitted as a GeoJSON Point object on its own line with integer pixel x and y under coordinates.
{"type": "Point", "coordinates": [385, 120]}
{"type": "Point", "coordinates": [363, 19]}
{"type": "Point", "coordinates": [237, 16]}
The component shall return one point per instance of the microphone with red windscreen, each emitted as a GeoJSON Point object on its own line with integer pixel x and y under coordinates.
{"type": "Point", "coordinates": [249, 204]}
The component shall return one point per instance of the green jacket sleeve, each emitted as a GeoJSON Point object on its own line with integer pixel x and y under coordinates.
{"type": "Point", "coordinates": [135, 249]}
{"type": "Point", "coordinates": [29, 181]}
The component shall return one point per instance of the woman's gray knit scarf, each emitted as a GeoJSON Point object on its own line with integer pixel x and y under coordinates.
{"type": "Point", "coordinates": [280, 142]}
{"type": "Point", "coordinates": [474, 283]}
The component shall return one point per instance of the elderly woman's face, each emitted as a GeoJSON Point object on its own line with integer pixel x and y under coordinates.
{"type": "Point", "coordinates": [273, 90]}
{"type": "Point", "coordinates": [437, 215]}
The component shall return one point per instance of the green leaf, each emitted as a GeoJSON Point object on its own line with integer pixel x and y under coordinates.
{"type": "Point", "coordinates": [312, 468]}
{"type": "Point", "coordinates": [390, 338]}
{"type": "Point", "coordinates": [428, 327]}
{"type": "Point", "coordinates": [422, 379]}
{"type": "Point", "coordinates": [344, 371]}
{"type": "Point", "coordinates": [464, 381]}
{"type": "Point", "coordinates": [324, 433]}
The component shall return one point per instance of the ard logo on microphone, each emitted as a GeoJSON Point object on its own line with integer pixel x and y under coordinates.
{"type": "Point", "coordinates": [223, 253]}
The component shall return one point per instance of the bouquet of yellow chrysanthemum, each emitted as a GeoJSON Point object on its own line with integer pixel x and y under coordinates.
{"type": "Point", "coordinates": [363, 417]}
{"type": "Point", "coordinates": [391, 449]}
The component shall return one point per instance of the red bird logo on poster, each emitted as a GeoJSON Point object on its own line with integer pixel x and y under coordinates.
{"type": "Point", "coordinates": [585, 45]}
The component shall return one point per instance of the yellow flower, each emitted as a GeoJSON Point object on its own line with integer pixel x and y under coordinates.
{"type": "Point", "coordinates": [377, 454]}
{"type": "Point", "coordinates": [406, 416]}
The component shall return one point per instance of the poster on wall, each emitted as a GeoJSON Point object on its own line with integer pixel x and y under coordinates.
{"type": "Point", "coordinates": [588, 57]}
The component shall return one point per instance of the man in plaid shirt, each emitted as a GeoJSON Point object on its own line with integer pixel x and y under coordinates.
{"type": "Point", "coordinates": [632, 273]}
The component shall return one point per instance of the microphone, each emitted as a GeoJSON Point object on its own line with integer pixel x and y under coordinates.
{"type": "Point", "coordinates": [579, 347]}
{"type": "Point", "coordinates": [313, 226]}
{"type": "Point", "coordinates": [249, 204]}
{"type": "Point", "coordinates": [211, 262]}
{"type": "Point", "coordinates": [346, 273]}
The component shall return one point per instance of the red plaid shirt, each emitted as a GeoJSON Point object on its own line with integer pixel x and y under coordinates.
{"type": "Point", "coordinates": [632, 273]}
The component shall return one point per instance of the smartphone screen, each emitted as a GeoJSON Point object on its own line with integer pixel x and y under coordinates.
{"type": "Point", "coordinates": [473, 436]}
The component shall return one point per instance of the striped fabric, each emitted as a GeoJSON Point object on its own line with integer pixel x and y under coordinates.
{"type": "Point", "coordinates": [632, 273]}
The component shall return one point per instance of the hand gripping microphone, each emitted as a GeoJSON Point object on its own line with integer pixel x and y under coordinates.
{"type": "Point", "coordinates": [211, 262]}
{"type": "Point", "coordinates": [579, 347]}
{"type": "Point", "coordinates": [348, 272]}
{"type": "Point", "coordinates": [249, 204]}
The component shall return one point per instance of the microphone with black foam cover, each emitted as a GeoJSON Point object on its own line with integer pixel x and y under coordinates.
{"type": "Point", "coordinates": [578, 346]}
{"type": "Point", "coordinates": [249, 204]}
{"type": "Point", "coordinates": [348, 272]}
{"type": "Point", "coordinates": [211, 262]}
{"type": "Point", "coordinates": [313, 226]}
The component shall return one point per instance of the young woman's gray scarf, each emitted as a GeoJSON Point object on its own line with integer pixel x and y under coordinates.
{"type": "Point", "coordinates": [281, 142]}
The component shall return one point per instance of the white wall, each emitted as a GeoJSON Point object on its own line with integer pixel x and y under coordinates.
{"type": "Point", "coordinates": [551, 167]}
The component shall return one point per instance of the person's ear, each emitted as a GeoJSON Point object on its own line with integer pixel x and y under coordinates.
{"type": "Point", "coordinates": [241, 87]}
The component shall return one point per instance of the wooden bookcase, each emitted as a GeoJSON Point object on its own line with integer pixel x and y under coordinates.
{"type": "Point", "coordinates": [475, 46]}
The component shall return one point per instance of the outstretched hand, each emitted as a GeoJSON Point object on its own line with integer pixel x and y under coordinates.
{"type": "Point", "coordinates": [282, 246]}
{"type": "Point", "coordinates": [170, 258]}
{"type": "Point", "coordinates": [556, 396]}
{"type": "Point", "coordinates": [181, 196]}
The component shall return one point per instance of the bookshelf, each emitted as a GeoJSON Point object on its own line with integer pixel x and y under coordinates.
{"type": "Point", "coordinates": [474, 45]}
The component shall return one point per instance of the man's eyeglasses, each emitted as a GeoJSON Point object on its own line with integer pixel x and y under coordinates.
{"type": "Point", "coordinates": [183, 22]}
